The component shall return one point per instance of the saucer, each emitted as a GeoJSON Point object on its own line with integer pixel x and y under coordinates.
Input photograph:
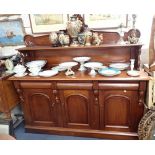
{"type": "Point", "coordinates": [16, 75]}
{"type": "Point", "coordinates": [133, 73]}
{"type": "Point", "coordinates": [30, 74]}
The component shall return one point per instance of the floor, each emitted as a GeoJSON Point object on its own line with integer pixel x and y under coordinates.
{"type": "Point", "coordinates": [21, 135]}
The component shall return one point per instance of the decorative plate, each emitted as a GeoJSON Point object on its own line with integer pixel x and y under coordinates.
{"type": "Point", "coordinates": [109, 71]}
{"type": "Point", "coordinates": [119, 66]}
{"type": "Point", "coordinates": [93, 65]}
{"type": "Point", "coordinates": [133, 73]}
{"type": "Point", "coordinates": [68, 64]}
{"type": "Point", "coordinates": [59, 68]}
{"type": "Point", "coordinates": [34, 63]}
{"type": "Point", "coordinates": [48, 73]}
{"type": "Point", "coordinates": [81, 59]}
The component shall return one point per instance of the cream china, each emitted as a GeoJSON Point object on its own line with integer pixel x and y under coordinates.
{"type": "Point", "coordinates": [35, 70]}
{"type": "Point", "coordinates": [69, 66]}
{"type": "Point", "coordinates": [20, 75]}
{"type": "Point", "coordinates": [133, 73]}
{"type": "Point", "coordinates": [36, 63]}
{"type": "Point", "coordinates": [59, 68]}
{"type": "Point", "coordinates": [48, 73]}
{"type": "Point", "coordinates": [119, 66]}
{"type": "Point", "coordinates": [81, 60]}
{"type": "Point", "coordinates": [109, 71]}
{"type": "Point", "coordinates": [9, 65]}
{"type": "Point", "coordinates": [19, 69]}
{"type": "Point", "coordinates": [93, 66]}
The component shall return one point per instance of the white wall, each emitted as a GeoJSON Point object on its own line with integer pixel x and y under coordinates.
{"type": "Point", "coordinates": [143, 23]}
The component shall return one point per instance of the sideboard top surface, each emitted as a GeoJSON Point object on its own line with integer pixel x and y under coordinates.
{"type": "Point", "coordinates": [84, 76]}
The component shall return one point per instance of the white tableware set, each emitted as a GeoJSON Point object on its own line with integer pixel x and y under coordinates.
{"type": "Point", "coordinates": [35, 68]}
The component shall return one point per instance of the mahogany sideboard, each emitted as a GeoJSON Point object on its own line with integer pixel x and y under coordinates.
{"type": "Point", "coordinates": [103, 107]}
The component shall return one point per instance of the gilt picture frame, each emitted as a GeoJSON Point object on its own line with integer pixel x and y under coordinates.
{"type": "Point", "coordinates": [45, 23]}
{"type": "Point", "coordinates": [105, 21]}
{"type": "Point", "coordinates": [11, 32]}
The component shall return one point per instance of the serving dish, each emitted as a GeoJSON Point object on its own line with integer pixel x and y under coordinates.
{"type": "Point", "coordinates": [36, 63]}
{"type": "Point", "coordinates": [133, 73]}
{"type": "Point", "coordinates": [109, 71]}
{"type": "Point", "coordinates": [48, 73]}
{"type": "Point", "coordinates": [59, 68]}
{"type": "Point", "coordinates": [68, 64]}
{"type": "Point", "coordinates": [81, 60]}
{"type": "Point", "coordinates": [94, 66]}
{"type": "Point", "coordinates": [119, 66]}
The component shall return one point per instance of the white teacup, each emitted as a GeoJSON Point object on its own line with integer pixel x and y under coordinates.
{"type": "Point", "coordinates": [35, 70]}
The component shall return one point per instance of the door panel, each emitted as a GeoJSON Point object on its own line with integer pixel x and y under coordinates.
{"type": "Point", "coordinates": [79, 109]}
{"type": "Point", "coordinates": [116, 109]}
{"type": "Point", "coordinates": [40, 107]}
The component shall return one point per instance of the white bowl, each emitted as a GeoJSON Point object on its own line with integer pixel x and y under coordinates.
{"type": "Point", "coordinates": [36, 63]}
{"type": "Point", "coordinates": [48, 73]}
{"type": "Point", "coordinates": [81, 59]}
{"type": "Point", "coordinates": [120, 66]}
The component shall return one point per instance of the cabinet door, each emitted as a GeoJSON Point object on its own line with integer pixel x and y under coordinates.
{"type": "Point", "coordinates": [39, 104]}
{"type": "Point", "coordinates": [78, 106]}
{"type": "Point", "coordinates": [119, 107]}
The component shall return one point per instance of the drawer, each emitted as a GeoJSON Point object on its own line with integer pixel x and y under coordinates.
{"type": "Point", "coordinates": [119, 86]}
{"type": "Point", "coordinates": [74, 85]}
{"type": "Point", "coordinates": [42, 85]}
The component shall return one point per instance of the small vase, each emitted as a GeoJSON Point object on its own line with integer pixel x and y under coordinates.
{"type": "Point", "coordinates": [81, 38]}
{"type": "Point", "coordinates": [53, 37]}
{"type": "Point", "coordinates": [73, 28]}
{"type": "Point", "coordinates": [88, 37]}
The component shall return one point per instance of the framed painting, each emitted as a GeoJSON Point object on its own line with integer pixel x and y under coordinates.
{"type": "Point", "coordinates": [11, 32]}
{"type": "Point", "coordinates": [44, 23]}
{"type": "Point", "coordinates": [105, 21]}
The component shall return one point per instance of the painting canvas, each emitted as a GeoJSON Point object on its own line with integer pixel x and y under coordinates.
{"type": "Point", "coordinates": [105, 21]}
{"type": "Point", "coordinates": [43, 23]}
{"type": "Point", "coordinates": [11, 32]}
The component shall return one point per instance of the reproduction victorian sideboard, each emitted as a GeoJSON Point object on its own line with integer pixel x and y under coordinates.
{"type": "Point", "coordinates": [81, 105]}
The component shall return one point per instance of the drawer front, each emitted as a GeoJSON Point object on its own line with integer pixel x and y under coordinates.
{"type": "Point", "coordinates": [37, 85]}
{"type": "Point", "coordinates": [119, 86]}
{"type": "Point", "coordinates": [75, 86]}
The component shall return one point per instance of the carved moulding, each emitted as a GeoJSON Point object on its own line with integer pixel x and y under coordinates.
{"type": "Point", "coordinates": [147, 125]}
